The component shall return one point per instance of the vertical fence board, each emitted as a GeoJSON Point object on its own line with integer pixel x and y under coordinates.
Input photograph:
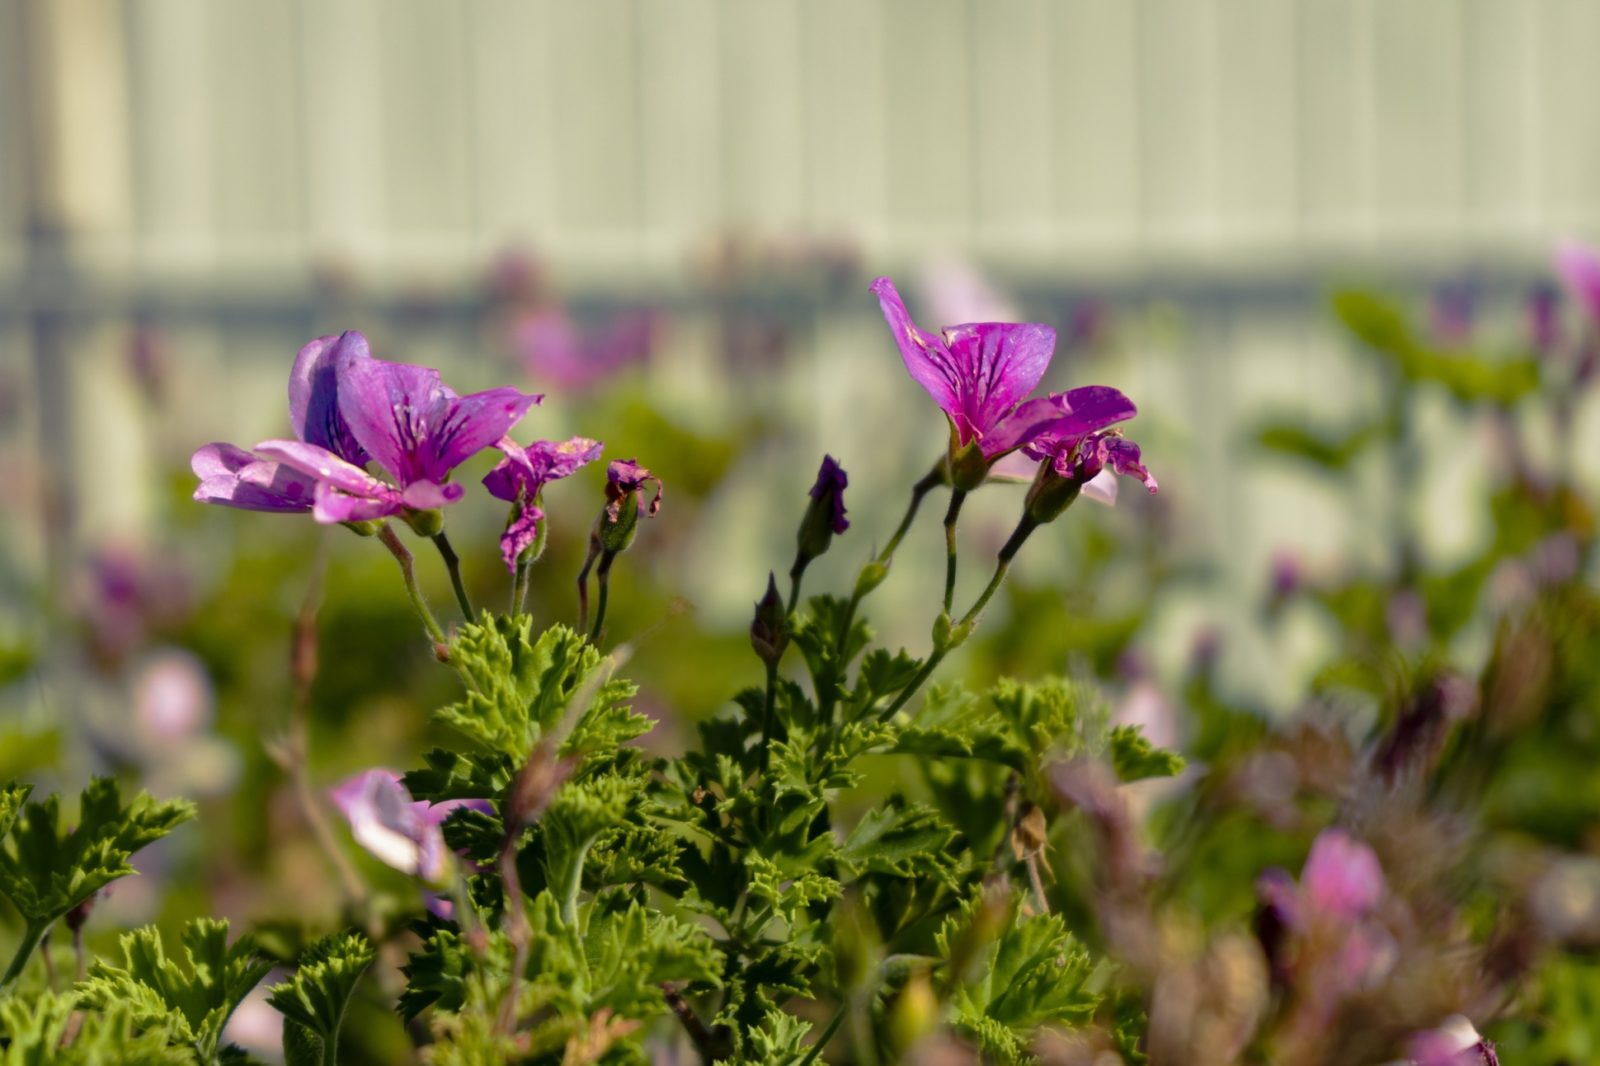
{"type": "Point", "coordinates": [680, 126]}
{"type": "Point", "coordinates": [1013, 149]}
{"type": "Point", "coordinates": [847, 121]}
{"type": "Point", "coordinates": [763, 115]}
{"type": "Point", "coordinates": [1258, 131]}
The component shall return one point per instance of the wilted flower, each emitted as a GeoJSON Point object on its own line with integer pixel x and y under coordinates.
{"type": "Point", "coordinates": [625, 489]}
{"type": "Point", "coordinates": [522, 475]}
{"type": "Point", "coordinates": [415, 427]}
{"type": "Point", "coordinates": [400, 831]}
{"type": "Point", "coordinates": [1076, 448]}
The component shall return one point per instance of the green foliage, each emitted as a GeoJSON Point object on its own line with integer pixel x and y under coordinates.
{"type": "Point", "coordinates": [1333, 450]}
{"type": "Point", "coordinates": [34, 1031]}
{"type": "Point", "coordinates": [1134, 758]}
{"type": "Point", "coordinates": [1033, 973]}
{"type": "Point", "coordinates": [902, 840]}
{"type": "Point", "coordinates": [1468, 377]}
{"type": "Point", "coordinates": [46, 869]}
{"type": "Point", "coordinates": [194, 1001]}
{"type": "Point", "coordinates": [313, 1001]}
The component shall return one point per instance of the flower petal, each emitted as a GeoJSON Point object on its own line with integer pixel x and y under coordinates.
{"type": "Point", "coordinates": [927, 359]}
{"type": "Point", "coordinates": [463, 426]}
{"type": "Point", "coordinates": [324, 466]}
{"type": "Point", "coordinates": [232, 477]}
{"type": "Point", "coordinates": [1123, 456]}
{"type": "Point", "coordinates": [430, 496]}
{"type": "Point", "coordinates": [389, 407]}
{"type": "Point", "coordinates": [314, 393]}
{"type": "Point", "coordinates": [1342, 878]}
{"type": "Point", "coordinates": [333, 506]}
{"type": "Point", "coordinates": [997, 365]}
{"type": "Point", "coordinates": [1029, 421]}
{"type": "Point", "coordinates": [520, 535]}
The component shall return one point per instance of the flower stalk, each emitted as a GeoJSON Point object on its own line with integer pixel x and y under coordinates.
{"type": "Point", "coordinates": [452, 562]}
{"type": "Point", "coordinates": [402, 555]}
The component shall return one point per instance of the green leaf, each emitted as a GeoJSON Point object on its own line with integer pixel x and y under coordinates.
{"type": "Point", "coordinates": [580, 812]}
{"type": "Point", "coordinates": [46, 870]}
{"type": "Point", "coordinates": [521, 690]}
{"type": "Point", "coordinates": [195, 1000]}
{"type": "Point", "coordinates": [313, 1001]}
{"type": "Point", "coordinates": [1034, 973]}
{"type": "Point", "coordinates": [12, 797]}
{"type": "Point", "coordinates": [780, 1040]}
{"type": "Point", "coordinates": [632, 953]}
{"type": "Point", "coordinates": [32, 1029]}
{"type": "Point", "coordinates": [902, 840]}
{"type": "Point", "coordinates": [1135, 758]}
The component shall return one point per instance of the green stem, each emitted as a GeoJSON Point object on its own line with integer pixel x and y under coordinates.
{"type": "Point", "coordinates": [795, 574]}
{"type": "Point", "coordinates": [452, 562]}
{"type": "Point", "coordinates": [574, 883]}
{"type": "Point", "coordinates": [602, 577]}
{"type": "Point", "coordinates": [929, 482]}
{"type": "Point", "coordinates": [402, 555]}
{"type": "Point", "coordinates": [1019, 536]}
{"type": "Point", "coordinates": [827, 1035]}
{"type": "Point", "coordinates": [330, 1048]}
{"type": "Point", "coordinates": [583, 583]}
{"type": "Point", "coordinates": [766, 717]}
{"type": "Point", "coordinates": [957, 498]}
{"type": "Point", "coordinates": [32, 934]}
{"type": "Point", "coordinates": [519, 586]}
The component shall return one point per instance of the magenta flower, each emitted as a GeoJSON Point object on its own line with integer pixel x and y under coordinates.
{"type": "Point", "coordinates": [402, 832]}
{"type": "Point", "coordinates": [980, 374]}
{"type": "Point", "coordinates": [1455, 1043]}
{"type": "Point", "coordinates": [522, 475]}
{"type": "Point", "coordinates": [416, 428]}
{"type": "Point", "coordinates": [1075, 442]}
{"type": "Point", "coordinates": [1335, 903]}
{"type": "Point", "coordinates": [1579, 267]}
{"type": "Point", "coordinates": [233, 477]}
{"type": "Point", "coordinates": [559, 354]}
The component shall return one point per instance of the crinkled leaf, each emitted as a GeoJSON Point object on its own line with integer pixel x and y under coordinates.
{"type": "Point", "coordinates": [194, 999]}
{"type": "Point", "coordinates": [313, 1001]}
{"type": "Point", "coordinates": [46, 870]}
{"type": "Point", "coordinates": [901, 840]}
{"type": "Point", "coordinates": [32, 1029]}
{"type": "Point", "coordinates": [1135, 758]}
{"type": "Point", "coordinates": [631, 954]}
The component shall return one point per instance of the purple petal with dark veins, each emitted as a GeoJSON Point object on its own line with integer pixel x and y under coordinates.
{"type": "Point", "coordinates": [926, 357]}
{"type": "Point", "coordinates": [520, 535]}
{"type": "Point", "coordinates": [997, 365]}
{"type": "Point", "coordinates": [314, 393]}
{"type": "Point", "coordinates": [463, 426]}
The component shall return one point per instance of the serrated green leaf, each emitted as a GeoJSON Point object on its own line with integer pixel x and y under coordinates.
{"type": "Point", "coordinates": [1134, 758]}
{"type": "Point", "coordinates": [901, 840]}
{"type": "Point", "coordinates": [633, 953]}
{"type": "Point", "coordinates": [46, 870]}
{"type": "Point", "coordinates": [313, 1001]}
{"type": "Point", "coordinates": [32, 1029]}
{"type": "Point", "coordinates": [194, 1000]}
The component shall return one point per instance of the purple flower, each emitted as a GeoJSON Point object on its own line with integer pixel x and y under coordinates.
{"type": "Point", "coordinates": [979, 374]}
{"type": "Point", "coordinates": [1455, 1043]}
{"type": "Point", "coordinates": [1341, 878]}
{"type": "Point", "coordinates": [1334, 905]}
{"type": "Point", "coordinates": [522, 475]}
{"type": "Point", "coordinates": [558, 353]}
{"type": "Point", "coordinates": [403, 417]}
{"type": "Point", "coordinates": [829, 491]}
{"type": "Point", "coordinates": [233, 477]}
{"type": "Point", "coordinates": [1075, 442]}
{"type": "Point", "coordinates": [626, 478]}
{"type": "Point", "coordinates": [1579, 267]}
{"type": "Point", "coordinates": [400, 831]}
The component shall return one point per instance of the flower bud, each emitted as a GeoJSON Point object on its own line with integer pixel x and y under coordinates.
{"type": "Point", "coordinates": [915, 1013]}
{"type": "Point", "coordinates": [947, 636]}
{"type": "Point", "coordinates": [769, 631]}
{"type": "Point", "coordinates": [825, 516]}
{"type": "Point", "coordinates": [615, 532]}
{"type": "Point", "coordinates": [364, 528]}
{"type": "Point", "coordinates": [871, 576]}
{"type": "Point", "coordinates": [424, 523]}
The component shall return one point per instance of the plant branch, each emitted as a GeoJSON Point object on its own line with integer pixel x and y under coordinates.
{"type": "Point", "coordinates": [402, 555]}
{"type": "Point", "coordinates": [452, 562]}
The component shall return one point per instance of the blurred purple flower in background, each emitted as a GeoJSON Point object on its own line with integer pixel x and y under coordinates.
{"type": "Point", "coordinates": [522, 475]}
{"type": "Point", "coordinates": [1455, 1043]}
{"type": "Point", "coordinates": [402, 832]}
{"type": "Point", "coordinates": [557, 352]}
{"type": "Point", "coordinates": [1579, 268]}
{"type": "Point", "coordinates": [1333, 907]}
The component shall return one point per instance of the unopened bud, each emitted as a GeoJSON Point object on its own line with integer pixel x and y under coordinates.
{"type": "Point", "coordinates": [915, 1013]}
{"type": "Point", "coordinates": [769, 631]}
{"type": "Point", "coordinates": [825, 516]}
{"type": "Point", "coordinates": [871, 576]}
{"type": "Point", "coordinates": [948, 636]}
{"type": "Point", "coordinates": [364, 528]}
{"type": "Point", "coordinates": [1050, 493]}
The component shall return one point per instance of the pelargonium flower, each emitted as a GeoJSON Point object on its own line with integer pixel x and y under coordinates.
{"type": "Point", "coordinates": [1077, 448]}
{"type": "Point", "coordinates": [233, 477]}
{"type": "Point", "coordinates": [980, 374]}
{"type": "Point", "coordinates": [402, 832]}
{"type": "Point", "coordinates": [522, 475]}
{"type": "Point", "coordinates": [1335, 903]}
{"type": "Point", "coordinates": [415, 427]}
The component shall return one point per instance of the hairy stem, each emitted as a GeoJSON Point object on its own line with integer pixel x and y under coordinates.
{"type": "Point", "coordinates": [583, 584]}
{"type": "Point", "coordinates": [452, 562]}
{"type": "Point", "coordinates": [402, 555]}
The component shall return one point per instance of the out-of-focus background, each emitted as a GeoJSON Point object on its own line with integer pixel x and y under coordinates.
{"type": "Point", "coordinates": [665, 215]}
